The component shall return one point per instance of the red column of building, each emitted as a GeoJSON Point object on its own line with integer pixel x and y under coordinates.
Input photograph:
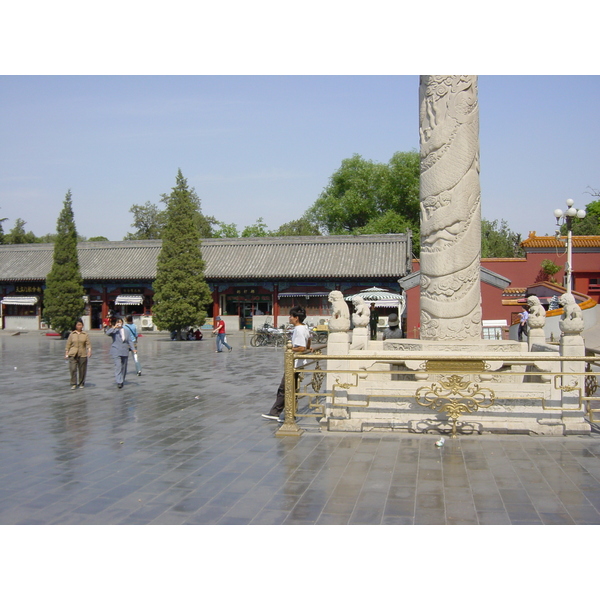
{"type": "Point", "coordinates": [275, 305]}
{"type": "Point", "coordinates": [215, 306]}
{"type": "Point", "coordinates": [104, 303]}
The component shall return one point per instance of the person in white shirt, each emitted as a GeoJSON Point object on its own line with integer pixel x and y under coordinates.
{"type": "Point", "coordinates": [523, 318]}
{"type": "Point", "coordinates": [300, 343]}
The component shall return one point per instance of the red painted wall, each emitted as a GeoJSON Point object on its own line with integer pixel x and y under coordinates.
{"type": "Point", "coordinates": [522, 272]}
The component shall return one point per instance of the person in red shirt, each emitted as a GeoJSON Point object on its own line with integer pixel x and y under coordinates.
{"type": "Point", "coordinates": [220, 331]}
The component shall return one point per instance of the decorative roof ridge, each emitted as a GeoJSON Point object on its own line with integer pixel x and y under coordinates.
{"type": "Point", "coordinates": [504, 259]}
{"type": "Point", "coordinates": [256, 241]}
{"type": "Point", "coordinates": [305, 240]}
{"type": "Point", "coordinates": [551, 241]}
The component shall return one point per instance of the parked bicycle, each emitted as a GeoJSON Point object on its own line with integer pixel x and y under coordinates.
{"type": "Point", "coordinates": [272, 336]}
{"type": "Point", "coordinates": [269, 336]}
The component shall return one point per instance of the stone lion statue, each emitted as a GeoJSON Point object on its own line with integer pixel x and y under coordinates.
{"type": "Point", "coordinates": [361, 315]}
{"type": "Point", "coordinates": [340, 315]}
{"type": "Point", "coordinates": [571, 322]}
{"type": "Point", "coordinates": [537, 313]}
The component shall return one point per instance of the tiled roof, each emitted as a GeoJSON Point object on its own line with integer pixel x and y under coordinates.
{"type": "Point", "coordinates": [511, 291]}
{"type": "Point", "coordinates": [230, 258]}
{"type": "Point", "coordinates": [550, 241]}
{"type": "Point", "coordinates": [315, 257]}
{"type": "Point", "coordinates": [97, 260]}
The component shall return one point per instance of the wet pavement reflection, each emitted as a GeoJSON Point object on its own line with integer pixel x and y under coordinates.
{"type": "Point", "coordinates": [185, 444]}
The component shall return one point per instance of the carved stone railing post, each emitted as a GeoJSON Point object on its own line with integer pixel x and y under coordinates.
{"type": "Point", "coordinates": [360, 320]}
{"type": "Point", "coordinates": [572, 386]}
{"type": "Point", "coordinates": [536, 322]}
{"type": "Point", "coordinates": [338, 343]}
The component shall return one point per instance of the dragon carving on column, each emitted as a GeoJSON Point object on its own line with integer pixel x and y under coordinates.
{"type": "Point", "coordinates": [450, 208]}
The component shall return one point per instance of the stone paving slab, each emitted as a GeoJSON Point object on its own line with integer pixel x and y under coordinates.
{"type": "Point", "coordinates": [185, 444]}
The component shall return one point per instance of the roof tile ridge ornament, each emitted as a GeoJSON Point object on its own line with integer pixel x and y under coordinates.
{"type": "Point", "coordinates": [320, 239]}
{"type": "Point", "coordinates": [118, 244]}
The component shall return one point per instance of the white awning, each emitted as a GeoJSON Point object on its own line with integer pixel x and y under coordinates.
{"type": "Point", "coordinates": [23, 300]}
{"type": "Point", "coordinates": [302, 294]}
{"type": "Point", "coordinates": [385, 303]}
{"type": "Point", "coordinates": [130, 300]}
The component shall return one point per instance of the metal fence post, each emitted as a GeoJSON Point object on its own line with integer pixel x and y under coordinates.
{"type": "Point", "coordinates": [289, 427]}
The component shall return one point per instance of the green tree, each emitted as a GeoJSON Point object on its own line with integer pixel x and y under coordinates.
{"type": "Point", "coordinates": [498, 241]}
{"type": "Point", "coordinates": [300, 226]}
{"type": "Point", "coordinates": [365, 196]}
{"type": "Point", "coordinates": [148, 220]}
{"type": "Point", "coordinates": [225, 230]}
{"type": "Point", "coordinates": [259, 229]}
{"type": "Point", "coordinates": [98, 238]}
{"type": "Point", "coordinates": [181, 292]}
{"type": "Point", "coordinates": [18, 235]}
{"type": "Point", "coordinates": [590, 225]}
{"type": "Point", "coordinates": [50, 238]}
{"type": "Point", "coordinates": [63, 296]}
{"type": "Point", "coordinates": [2, 230]}
{"type": "Point", "coordinates": [548, 270]}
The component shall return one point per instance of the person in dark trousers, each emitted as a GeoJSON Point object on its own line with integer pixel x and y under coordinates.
{"type": "Point", "coordinates": [523, 318]}
{"type": "Point", "coordinates": [373, 321]}
{"type": "Point", "coordinates": [300, 343]}
{"type": "Point", "coordinates": [78, 350]}
{"type": "Point", "coordinates": [119, 349]}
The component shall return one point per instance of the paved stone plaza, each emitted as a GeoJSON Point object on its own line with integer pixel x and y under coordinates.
{"type": "Point", "coordinates": [185, 444]}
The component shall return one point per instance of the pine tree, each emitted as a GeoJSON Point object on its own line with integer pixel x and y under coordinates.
{"type": "Point", "coordinates": [180, 290]}
{"type": "Point", "coordinates": [63, 296]}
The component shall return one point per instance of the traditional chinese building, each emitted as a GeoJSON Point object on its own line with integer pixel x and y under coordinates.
{"type": "Point", "coordinates": [248, 277]}
{"type": "Point", "coordinates": [506, 282]}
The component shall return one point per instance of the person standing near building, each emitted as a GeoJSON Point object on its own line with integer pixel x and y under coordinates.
{"type": "Point", "coordinates": [119, 349]}
{"type": "Point", "coordinates": [220, 331]}
{"type": "Point", "coordinates": [393, 329]}
{"type": "Point", "coordinates": [523, 318]}
{"type": "Point", "coordinates": [130, 325]}
{"type": "Point", "coordinates": [373, 321]}
{"type": "Point", "coordinates": [78, 350]}
{"type": "Point", "coordinates": [300, 343]}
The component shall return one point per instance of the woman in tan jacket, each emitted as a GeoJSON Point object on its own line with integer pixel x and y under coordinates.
{"type": "Point", "coordinates": [78, 351]}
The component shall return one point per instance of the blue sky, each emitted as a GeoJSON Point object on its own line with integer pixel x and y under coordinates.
{"type": "Point", "coordinates": [265, 146]}
{"type": "Point", "coordinates": [259, 103]}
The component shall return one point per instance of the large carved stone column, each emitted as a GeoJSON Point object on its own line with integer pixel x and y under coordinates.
{"type": "Point", "coordinates": [450, 208]}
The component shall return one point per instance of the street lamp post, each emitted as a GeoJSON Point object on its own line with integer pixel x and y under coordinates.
{"type": "Point", "coordinates": [567, 218]}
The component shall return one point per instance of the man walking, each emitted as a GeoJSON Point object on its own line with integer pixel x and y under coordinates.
{"type": "Point", "coordinates": [220, 331]}
{"type": "Point", "coordinates": [122, 343]}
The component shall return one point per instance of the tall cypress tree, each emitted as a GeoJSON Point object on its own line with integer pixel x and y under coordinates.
{"type": "Point", "coordinates": [180, 290]}
{"type": "Point", "coordinates": [63, 296]}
